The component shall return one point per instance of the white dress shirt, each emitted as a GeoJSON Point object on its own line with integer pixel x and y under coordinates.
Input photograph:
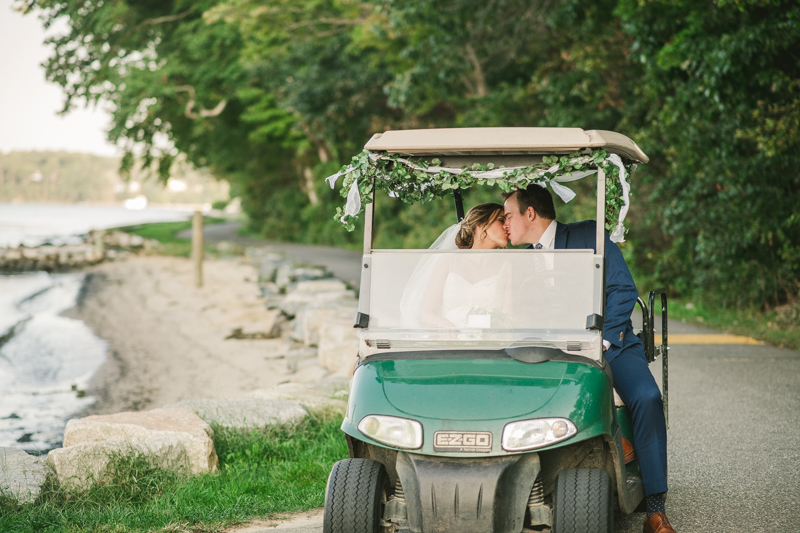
{"type": "Point", "coordinates": [548, 238]}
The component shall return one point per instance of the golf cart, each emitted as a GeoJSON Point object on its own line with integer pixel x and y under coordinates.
{"type": "Point", "coordinates": [507, 420]}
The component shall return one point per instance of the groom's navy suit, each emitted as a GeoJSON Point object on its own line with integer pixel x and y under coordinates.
{"type": "Point", "coordinates": [632, 378]}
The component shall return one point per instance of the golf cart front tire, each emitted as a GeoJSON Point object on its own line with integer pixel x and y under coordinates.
{"type": "Point", "coordinates": [355, 496]}
{"type": "Point", "coordinates": [583, 502]}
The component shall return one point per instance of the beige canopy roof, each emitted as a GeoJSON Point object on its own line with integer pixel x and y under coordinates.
{"type": "Point", "coordinates": [511, 141]}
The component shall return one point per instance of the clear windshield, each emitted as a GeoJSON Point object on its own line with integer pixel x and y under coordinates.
{"type": "Point", "coordinates": [422, 299]}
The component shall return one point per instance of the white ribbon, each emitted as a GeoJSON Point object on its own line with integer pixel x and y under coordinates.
{"type": "Point", "coordinates": [618, 235]}
{"type": "Point", "coordinates": [332, 179]}
{"type": "Point", "coordinates": [353, 205]}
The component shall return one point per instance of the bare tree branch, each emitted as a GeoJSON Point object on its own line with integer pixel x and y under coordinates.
{"type": "Point", "coordinates": [340, 22]}
{"type": "Point", "coordinates": [479, 88]}
{"type": "Point", "coordinates": [169, 18]}
{"type": "Point", "coordinates": [203, 112]}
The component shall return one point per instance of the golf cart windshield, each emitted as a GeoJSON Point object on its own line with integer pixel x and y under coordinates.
{"type": "Point", "coordinates": [465, 299]}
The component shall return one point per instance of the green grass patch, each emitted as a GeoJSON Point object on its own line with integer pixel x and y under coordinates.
{"type": "Point", "coordinates": [262, 473]}
{"type": "Point", "coordinates": [167, 234]}
{"type": "Point", "coordinates": [779, 327]}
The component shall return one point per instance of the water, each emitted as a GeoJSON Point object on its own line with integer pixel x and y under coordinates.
{"type": "Point", "coordinates": [46, 359]}
{"type": "Point", "coordinates": [35, 224]}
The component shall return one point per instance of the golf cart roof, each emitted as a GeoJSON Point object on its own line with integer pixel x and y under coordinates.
{"type": "Point", "coordinates": [506, 141]}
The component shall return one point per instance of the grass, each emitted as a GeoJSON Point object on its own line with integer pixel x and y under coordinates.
{"type": "Point", "coordinates": [262, 473]}
{"type": "Point", "coordinates": [779, 327]}
{"type": "Point", "coordinates": [166, 233]}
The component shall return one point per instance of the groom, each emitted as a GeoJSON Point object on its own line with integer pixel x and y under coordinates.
{"type": "Point", "coordinates": [530, 219]}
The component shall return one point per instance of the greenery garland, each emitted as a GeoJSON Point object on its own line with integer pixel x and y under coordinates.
{"type": "Point", "coordinates": [413, 185]}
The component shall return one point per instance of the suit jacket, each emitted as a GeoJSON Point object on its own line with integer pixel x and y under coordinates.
{"type": "Point", "coordinates": [621, 292]}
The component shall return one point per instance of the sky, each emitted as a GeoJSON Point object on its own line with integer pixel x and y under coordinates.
{"type": "Point", "coordinates": [29, 104]}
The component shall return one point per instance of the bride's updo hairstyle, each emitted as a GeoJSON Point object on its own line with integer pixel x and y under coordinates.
{"type": "Point", "coordinates": [482, 215]}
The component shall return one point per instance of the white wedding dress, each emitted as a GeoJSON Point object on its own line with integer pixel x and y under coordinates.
{"type": "Point", "coordinates": [472, 305]}
{"type": "Point", "coordinates": [464, 304]}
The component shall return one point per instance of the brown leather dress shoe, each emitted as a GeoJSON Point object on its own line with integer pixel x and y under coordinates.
{"type": "Point", "coordinates": [658, 523]}
{"type": "Point", "coordinates": [627, 450]}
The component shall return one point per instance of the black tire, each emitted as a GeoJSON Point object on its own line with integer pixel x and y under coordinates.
{"type": "Point", "coordinates": [355, 496]}
{"type": "Point", "coordinates": [583, 502]}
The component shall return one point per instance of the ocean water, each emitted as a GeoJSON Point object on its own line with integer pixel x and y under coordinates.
{"type": "Point", "coordinates": [35, 224]}
{"type": "Point", "coordinates": [47, 359]}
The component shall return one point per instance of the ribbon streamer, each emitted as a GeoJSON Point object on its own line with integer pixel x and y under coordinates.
{"type": "Point", "coordinates": [618, 235]}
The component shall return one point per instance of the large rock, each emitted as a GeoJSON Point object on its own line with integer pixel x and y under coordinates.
{"type": "Point", "coordinates": [338, 346]}
{"type": "Point", "coordinates": [311, 318]}
{"type": "Point", "coordinates": [175, 439]}
{"type": "Point", "coordinates": [309, 397]}
{"type": "Point", "coordinates": [21, 475]}
{"type": "Point", "coordinates": [318, 294]}
{"type": "Point", "coordinates": [80, 466]}
{"type": "Point", "coordinates": [246, 412]}
{"type": "Point", "coordinates": [289, 274]}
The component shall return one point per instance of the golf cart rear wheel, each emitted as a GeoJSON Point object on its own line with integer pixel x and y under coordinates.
{"type": "Point", "coordinates": [355, 497]}
{"type": "Point", "coordinates": [583, 502]}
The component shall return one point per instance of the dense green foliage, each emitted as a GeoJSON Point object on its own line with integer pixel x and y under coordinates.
{"type": "Point", "coordinates": [274, 95]}
{"type": "Point", "coordinates": [274, 471]}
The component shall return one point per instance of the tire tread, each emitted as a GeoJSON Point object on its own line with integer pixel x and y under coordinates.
{"type": "Point", "coordinates": [352, 497]}
{"type": "Point", "coordinates": [583, 502]}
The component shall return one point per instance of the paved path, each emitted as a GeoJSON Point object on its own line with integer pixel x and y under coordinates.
{"type": "Point", "coordinates": [344, 264]}
{"type": "Point", "coordinates": [734, 437]}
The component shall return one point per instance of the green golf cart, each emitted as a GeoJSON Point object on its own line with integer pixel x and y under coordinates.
{"type": "Point", "coordinates": [504, 420]}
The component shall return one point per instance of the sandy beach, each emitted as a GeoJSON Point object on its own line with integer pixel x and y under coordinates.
{"type": "Point", "coordinates": [167, 338]}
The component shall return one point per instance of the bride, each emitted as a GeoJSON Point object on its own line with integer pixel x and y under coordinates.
{"type": "Point", "coordinates": [457, 290]}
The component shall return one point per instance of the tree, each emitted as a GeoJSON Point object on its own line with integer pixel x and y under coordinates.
{"type": "Point", "coordinates": [721, 93]}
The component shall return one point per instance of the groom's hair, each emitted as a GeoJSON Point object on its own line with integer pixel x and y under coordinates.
{"type": "Point", "coordinates": [538, 198]}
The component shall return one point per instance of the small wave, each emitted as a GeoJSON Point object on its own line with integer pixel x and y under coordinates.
{"type": "Point", "coordinates": [46, 360]}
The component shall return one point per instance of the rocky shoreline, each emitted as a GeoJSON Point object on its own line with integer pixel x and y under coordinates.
{"type": "Point", "coordinates": [264, 342]}
{"type": "Point", "coordinates": [97, 246]}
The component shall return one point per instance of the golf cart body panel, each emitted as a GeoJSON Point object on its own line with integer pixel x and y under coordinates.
{"type": "Point", "coordinates": [480, 395]}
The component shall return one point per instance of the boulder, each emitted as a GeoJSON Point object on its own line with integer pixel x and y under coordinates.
{"type": "Point", "coordinates": [318, 294]}
{"type": "Point", "coordinates": [300, 357]}
{"type": "Point", "coordinates": [180, 440]}
{"type": "Point", "coordinates": [288, 275]}
{"type": "Point", "coordinates": [338, 346]}
{"type": "Point", "coordinates": [80, 466]}
{"type": "Point", "coordinates": [21, 475]}
{"type": "Point", "coordinates": [315, 314]}
{"type": "Point", "coordinates": [321, 285]}
{"type": "Point", "coordinates": [245, 412]}
{"type": "Point", "coordinates": [308, 397]}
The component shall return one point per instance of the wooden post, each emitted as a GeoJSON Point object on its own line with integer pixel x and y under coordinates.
{"type": "Point", "coordinates": [197, 247]}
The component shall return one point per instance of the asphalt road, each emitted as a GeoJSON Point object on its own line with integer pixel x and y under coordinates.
{"type": "Point", "coordinates": [734, 436]}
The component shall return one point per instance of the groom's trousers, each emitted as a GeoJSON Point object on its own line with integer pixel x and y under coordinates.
{"type": "Point", "coordinates": [638, 389]}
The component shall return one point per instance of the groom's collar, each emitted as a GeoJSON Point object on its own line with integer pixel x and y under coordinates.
{"type": "Point", "coordinates": [549, 237]}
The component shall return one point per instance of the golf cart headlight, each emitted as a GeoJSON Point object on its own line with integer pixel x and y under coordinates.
{"type": "Point", "coordinates": [529, 434]}
{"type": "Point", "coordinates": [398, 432]}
